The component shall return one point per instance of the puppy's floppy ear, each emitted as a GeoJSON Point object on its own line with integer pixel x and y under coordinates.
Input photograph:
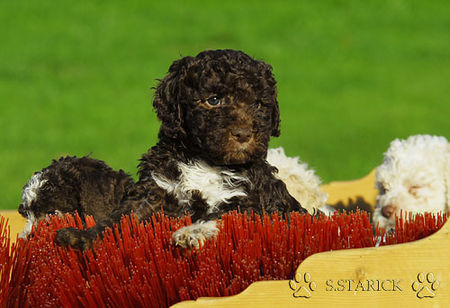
{"type": "Point", "coordinates": [270, 85]}
{"type": "Point", "coordinates": [167, 100]}
{"type": "Point", "coordinates": [275, 119]}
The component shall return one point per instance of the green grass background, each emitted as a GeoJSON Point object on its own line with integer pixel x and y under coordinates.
{"type": "Point", "coordinates": [76, 76]}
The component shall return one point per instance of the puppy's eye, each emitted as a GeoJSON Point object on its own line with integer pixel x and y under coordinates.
{"type": "Point", "coordinates": [414, 190]}
{"type": "Point", "coordinates": [214, 101]}
{"type": "Point", "coordinates": [381, 189]}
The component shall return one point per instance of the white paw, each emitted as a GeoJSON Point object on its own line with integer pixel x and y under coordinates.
{"type": "Point", "coordinates": [196, 234]}
{"type": "Point", "coordinates": [327, 210]}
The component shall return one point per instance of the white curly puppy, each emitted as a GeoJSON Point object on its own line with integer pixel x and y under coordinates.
{"type": "Point", "coordinates": [413, 178]}
{"type": "Point", "coordinates": [300, 181]}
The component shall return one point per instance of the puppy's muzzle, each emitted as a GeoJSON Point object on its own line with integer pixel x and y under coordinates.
{"type": "Point", "coordinates": [22, 210]}
{"type": "Point", "coordinates": [241, 134]}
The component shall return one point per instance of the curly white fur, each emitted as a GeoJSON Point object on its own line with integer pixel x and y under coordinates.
{"type": "Point", "coordinates": [29, 194]}
{"type": "Point", "coordinates": [216, 184]}
{"type": "Point", "coordinates": [30, 190]}
{"type": "Point", "coordinates": [300, 181]}
{"type": "Point", "coordinates": [413, 178]}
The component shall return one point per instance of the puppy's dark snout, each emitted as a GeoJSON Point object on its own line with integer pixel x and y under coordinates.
{"type": "Point", "coordinates": [241, 134]}
{"type": "Point", "coordinates": [388, 211]}
{"type": "Point", "coordinates": [21, 210]}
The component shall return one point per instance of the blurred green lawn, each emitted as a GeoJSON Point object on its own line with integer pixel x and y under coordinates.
{"type": "Point", "coordinates": [75, 77]}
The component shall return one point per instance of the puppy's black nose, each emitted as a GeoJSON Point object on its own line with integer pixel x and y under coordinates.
{"type": "Point", "coordinates": [241, 134]}
{"type": "Point", "coordinates": [22, 211]}
{"type": "Point", "coordinates": [388, 210]}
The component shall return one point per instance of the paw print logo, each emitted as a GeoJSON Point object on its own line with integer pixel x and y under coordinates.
{"type": "Point", "coordinates": [425, 285]}
{"type": "Point", "coordinates": [302, 285]}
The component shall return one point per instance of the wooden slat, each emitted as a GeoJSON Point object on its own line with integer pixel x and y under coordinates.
{"type": "Point", "coordinates": [343, 191]}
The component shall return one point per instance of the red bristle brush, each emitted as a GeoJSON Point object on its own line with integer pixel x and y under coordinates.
{"type": "Point", "coordinates": [141, 267]}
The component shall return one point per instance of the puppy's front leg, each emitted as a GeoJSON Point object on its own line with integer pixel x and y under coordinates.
{"type": "Point", "coordinates": [83, 239]}
{"type": "Point", "coordinates": [203, 228]}
{"type": "Point", "coordinates": [75, 238]}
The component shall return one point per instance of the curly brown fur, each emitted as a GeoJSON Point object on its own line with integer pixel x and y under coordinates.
{"type": "Point", "coordinates": [218, 111]}
{"type": "Point", "coordinates": [70, 184]}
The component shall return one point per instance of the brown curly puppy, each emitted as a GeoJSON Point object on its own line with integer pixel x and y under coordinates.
{"type": "Point", "coordinates": [85, 185]}
{"type": "Point", "coordinates": [218, 111]}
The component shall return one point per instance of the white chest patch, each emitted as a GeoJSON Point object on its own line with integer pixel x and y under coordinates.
{"type": "Point", "coordinates": [31, 189]}
{"type": "Point", "coordinates": [217, 185]}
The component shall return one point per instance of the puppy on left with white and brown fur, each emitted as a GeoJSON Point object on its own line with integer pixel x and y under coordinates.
{"type": "Point", "coordinates": [71, 184]}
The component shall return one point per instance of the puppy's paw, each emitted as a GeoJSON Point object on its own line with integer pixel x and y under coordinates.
{"type": "Point", "coordinates": [75, 238]}
{"type": "Point", "coordinates": [325, 210]}
{"type": "Point", "coordinates": [196, 234]}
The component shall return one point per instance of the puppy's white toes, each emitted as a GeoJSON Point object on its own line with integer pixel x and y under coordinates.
{"type": "Point", "coordinates": [196, 234]}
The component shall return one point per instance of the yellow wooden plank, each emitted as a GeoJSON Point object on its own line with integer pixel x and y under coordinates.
{"type": "Point", "coordinates": [342, 191]}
